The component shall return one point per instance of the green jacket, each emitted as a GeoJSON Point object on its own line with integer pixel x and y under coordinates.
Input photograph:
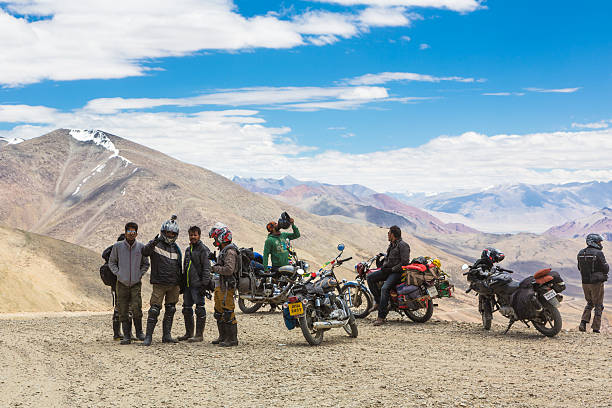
{"type": "Point", "coordinates": [276, 247]}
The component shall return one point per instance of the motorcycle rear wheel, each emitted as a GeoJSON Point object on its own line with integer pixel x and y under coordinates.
{"type": "Point", "coordinates": [421, 315]}
{"type": "Point", "coordinates": [313, 337]}
{"type": "Point", "coordinates": [553, 323]}
{"type": "Point", "coordinates": [360, 299]}
{"type": "Point", "coordinates": [244, 306]}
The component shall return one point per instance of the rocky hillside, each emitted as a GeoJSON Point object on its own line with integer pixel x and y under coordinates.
{"type": "Point", "coordinates": [600, 222]}
{"type": "Point", "coordinates": [83, 186]}
{"type": "Point", "coordinates": [42, 274]}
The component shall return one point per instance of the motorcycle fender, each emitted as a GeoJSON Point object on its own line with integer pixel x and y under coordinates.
{"type": "Point", "coordinates": [358, 285]}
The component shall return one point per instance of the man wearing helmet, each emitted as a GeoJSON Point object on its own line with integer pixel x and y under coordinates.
{"type": "Point", "coordinates": [594, 271]}
{"type": "Point", "coordinates": [275, 246]}
{"type": "Point", "coordinates": [166, 277]}
{"type": "Point", "coordinates": [227, 267]}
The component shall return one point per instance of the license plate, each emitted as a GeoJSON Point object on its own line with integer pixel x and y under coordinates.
{"type": "Point", "coordinates": [295, 309]}
{"type": "Point", "coordinates": [432, 291]}
{"type": "Point", "coordinates": [550, 294]}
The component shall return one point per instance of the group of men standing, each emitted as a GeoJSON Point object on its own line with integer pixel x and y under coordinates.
{"type": "Point", "coordinates": [171, 275]}
{"type": "Point", "coordinates": [191, 274]}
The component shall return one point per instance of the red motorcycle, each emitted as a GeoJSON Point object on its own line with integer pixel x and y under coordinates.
{"type": "Point", "coordinates": [415, 301]}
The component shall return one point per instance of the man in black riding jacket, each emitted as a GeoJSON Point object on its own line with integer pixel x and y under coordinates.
{"type": "Point", "coordinates": [398, 254]}
{"type": "Point", "coordinates": [594, 271]}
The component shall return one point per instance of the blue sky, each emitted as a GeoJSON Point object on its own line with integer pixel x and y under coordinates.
{"type": "Point", "coordinates": [300, 82]}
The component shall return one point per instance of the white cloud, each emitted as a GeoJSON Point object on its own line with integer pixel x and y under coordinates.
{"type": "Point", "coordinates": [235, 137]}
{"type": "Point", "coordinates": [384, 77]}
{"type": "Point", "coordinates": [504, 93]}
{"type": "Point", "coordinates": [559, 90]}
{"type": "Point", "coordinates": [424, 46]}
{"type": "Point", "coordinates": [405, 38]}
{"type": "Point", "coordinates": [115, 39]}
{"type": "Point", "coordinates": [340, 97]}
{"type": "Point", "coordinates": [463, 6]}
{"type": "Point", "coordinates": [602, 124]}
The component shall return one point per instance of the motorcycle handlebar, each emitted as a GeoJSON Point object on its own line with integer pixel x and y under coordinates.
{"type": "Point", "coordinates": [344, 260]}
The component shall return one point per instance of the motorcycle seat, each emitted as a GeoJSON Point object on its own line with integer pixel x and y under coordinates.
{"type": "Point", "coordinates": [541, 273]}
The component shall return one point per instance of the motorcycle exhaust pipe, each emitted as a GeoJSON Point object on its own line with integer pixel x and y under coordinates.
{"type": "Point", "coordinates": [328, 324]}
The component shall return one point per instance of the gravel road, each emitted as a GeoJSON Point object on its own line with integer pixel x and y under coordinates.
{"type": "Point", "coordinates": [64, 360]}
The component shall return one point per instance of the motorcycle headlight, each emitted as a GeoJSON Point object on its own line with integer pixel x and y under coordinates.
{"type": "Point", "coordinates": [305, 266]}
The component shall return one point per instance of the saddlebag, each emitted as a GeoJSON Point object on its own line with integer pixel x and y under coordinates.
{"type": "Point", "coordinates": [524, 300]}
{"type": "Point", "coordinates": [410, 291]}
{"type": "Point", "coordinates": [557, 282]}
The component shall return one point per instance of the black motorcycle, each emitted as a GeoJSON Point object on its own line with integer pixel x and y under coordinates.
{"type": "Point", "coordinates": [535, 299]}
{"type": "Point", "coordinates": [317, 304]}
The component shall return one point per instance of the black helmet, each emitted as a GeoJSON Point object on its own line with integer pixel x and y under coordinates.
{"type": "Point", "coordinates": [594, 240]}
{"type": "Point", "coordinates": [492, 255]}
{"type": "Point", "coordinates": [284, 221]}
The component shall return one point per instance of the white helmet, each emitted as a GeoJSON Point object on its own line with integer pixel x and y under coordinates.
{"type": "Point", "coordinates": [170, 226]}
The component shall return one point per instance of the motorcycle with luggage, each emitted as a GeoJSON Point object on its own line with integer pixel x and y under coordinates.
{"type": "Point", "coordinates": [422, 281]}
{"type": "Point", "coordinates": [535, 299]}
{"type": "Point", "coordinates": [317, 305]}
{"type": "Point", "coordinates": [258, 287]}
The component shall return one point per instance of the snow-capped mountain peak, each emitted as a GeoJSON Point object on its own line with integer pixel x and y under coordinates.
{"type": "Point", "coordinates": [11, 140]}
{"type": "Point", "coordinates": [99, 138]}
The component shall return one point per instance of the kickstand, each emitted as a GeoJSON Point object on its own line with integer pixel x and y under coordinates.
{"type": "Point", "coordinates": [525, 323]}
{"type": "Point", "coordinates": [509, 325]}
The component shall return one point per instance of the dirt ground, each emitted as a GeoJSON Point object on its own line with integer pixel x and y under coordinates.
{"type": "Point", "coordinates": [71, 360]}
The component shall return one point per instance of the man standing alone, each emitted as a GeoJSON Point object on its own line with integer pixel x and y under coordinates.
{"type": "Point", "coordinates": [196, 281]}
{"type": "Point", "coordinates": [129, 265]}
{"type": "Point", "coordinates": [594, 271]}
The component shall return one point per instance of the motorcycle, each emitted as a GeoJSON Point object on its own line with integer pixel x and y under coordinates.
{"type": "Point", "coordinates": [535, 299]}
{"type": "Point", "coordinates": [317, 305]}
{"type": "Point", "coordinates": [413, 301]}
{"type": "Point", "coordinates": [259, 287]}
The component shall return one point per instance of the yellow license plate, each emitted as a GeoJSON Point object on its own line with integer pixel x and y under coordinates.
{"type": "Point", "coordinates": [295, 309]}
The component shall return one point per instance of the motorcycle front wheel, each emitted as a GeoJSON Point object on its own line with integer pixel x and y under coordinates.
{"type": "Point", "coordinates": [359, 301]}
{"type": "Point", "coordinates": [313, 337]}
{"type": "Point", "coordinates": [552, 322]}
{"type": "Point", "coordinates": [421, 315]}
{"type": "Point", "coordinates": [248, 307]}
{"type": "Point", "coordinates": [486, 313]}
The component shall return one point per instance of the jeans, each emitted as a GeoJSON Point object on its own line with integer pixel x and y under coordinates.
{"type": "Point", "coordinates": [192, 297]}
{"type": "Point", "coordinates": [381, 296]}
{"type": "Point", "coordinates": [257, 266]}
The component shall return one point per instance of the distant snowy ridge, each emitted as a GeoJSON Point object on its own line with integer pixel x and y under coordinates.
{"type": "Point", "coordinates": [12, 140]}
{"type": "Point", "coordinates": [99, 138]}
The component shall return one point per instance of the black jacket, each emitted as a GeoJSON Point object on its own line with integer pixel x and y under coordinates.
{"type": "Point", "coordinates": [166, 268]}
{"type": "Point", "coordinates": [592, 265]}
{"type": "Point", "coordinates": [196, 266]}
{"type": "Point", "coordinates": [398, 255]}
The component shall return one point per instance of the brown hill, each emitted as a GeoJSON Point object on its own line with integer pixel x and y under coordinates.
{"type": "Point", "coordinates": [82, 186]}
{"type": "Point", "coordinates": [39, 273]}
{"type": "Point", "coordinates": [600, 222]}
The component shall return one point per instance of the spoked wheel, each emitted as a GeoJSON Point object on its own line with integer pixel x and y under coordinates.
{"type": "Point", "coordinates": [247, 306]}
{"type": "Point", "coordinates": [486, 313]}
{"type": "Point", "coordinates": [351, 326]}
{"type": "Point", "coordinates": [422, 314]}
{"type": "Point", "coordinates": [358, 300]}
{"type": "Point", "coordinates": [549, 322]}
{"type": "Point", "coordinates": [313, 337]}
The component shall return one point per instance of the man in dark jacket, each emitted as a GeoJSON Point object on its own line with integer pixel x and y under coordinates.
{"type": "Point", "coordinates": [227, 267]}
{"type": "Point", "coordinates": [129, 265]}
{"type": "Point", "coordinates": [398, 254]}
{"type": "Point", "coordinates": [594, 271]}
{"type": "Point", "coordinates": [197, 281]}
{"type": "Point", "coordinates": [166, 279]}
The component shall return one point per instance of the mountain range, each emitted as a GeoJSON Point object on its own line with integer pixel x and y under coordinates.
{"type": "Point", "coordinates": [352, 203]}
{"type": "Point", "coordinates": [600, 222]}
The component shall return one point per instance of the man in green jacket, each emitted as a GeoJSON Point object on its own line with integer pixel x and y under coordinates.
{"type": "Point", "coordinates": [276, 247]}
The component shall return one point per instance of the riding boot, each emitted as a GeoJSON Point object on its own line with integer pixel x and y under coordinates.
{"type": "Point", "coordinates": [221, 328]}
{"type": "Point", "coordinates": [127, 332]}
{"type": "Point", "coordinates": [231, 338]}
{"type": "Point", "coordinates": [188, 315]}
{"type": "Point", "coordinates": [582, 326]}
{"type": "Point", "coordinates": [199, 330]}
{"type": "Point", "coordinates": [138, 329]}
{"type": "Point", "coordinates": [151, 322]}
{"type": "Point", "coordinates": [116, 326]}
{"type": "Point", "coordinates": [167, 325]}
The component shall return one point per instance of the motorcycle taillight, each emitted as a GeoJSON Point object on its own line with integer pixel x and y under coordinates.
{"type": "Point", "coordinates": [293, 299]}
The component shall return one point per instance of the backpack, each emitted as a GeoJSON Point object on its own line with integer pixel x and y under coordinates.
{"type": "Point", "coordinates": [107, 276]}
{"type": "Point", "coordinates": [246, 256]}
